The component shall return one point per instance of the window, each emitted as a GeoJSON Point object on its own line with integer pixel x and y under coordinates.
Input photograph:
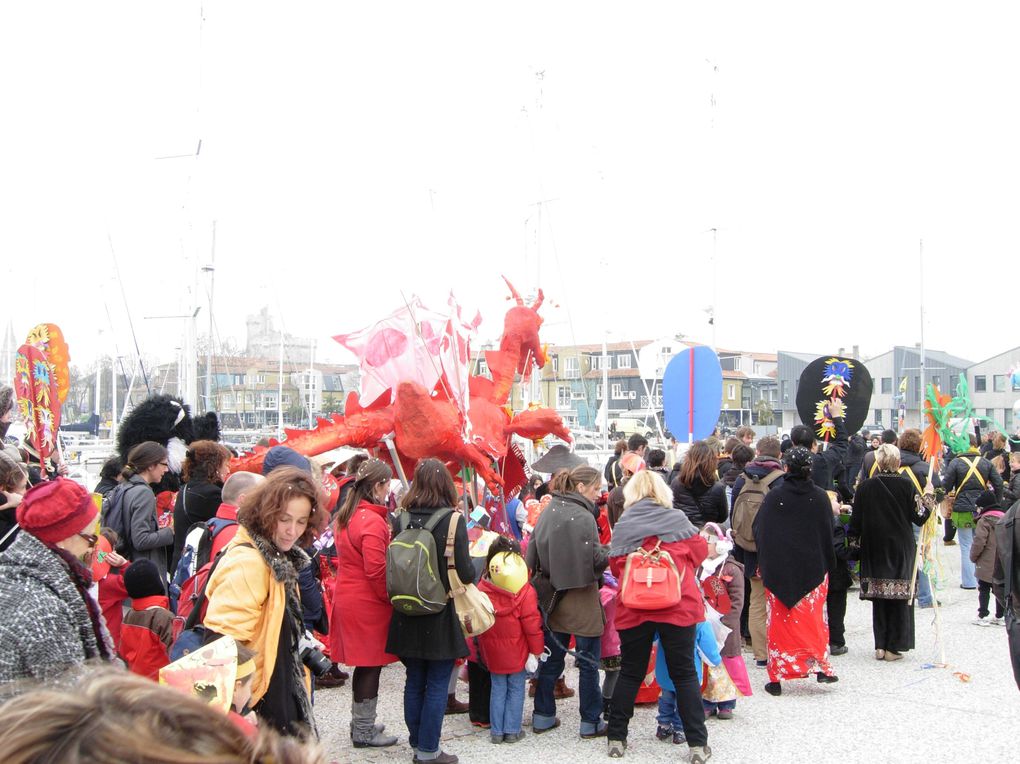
{"type": "Point", "coordinates": [936, 380]}
{"type": "Point", "coordinates": [238, 379]}
{"type": "Point", "coordinates": [260, 379]}
{"type": "Point", "coordinates": [616, 391]}
{"type": "Point", "coordinates": [595, 362]}
{"type": "Point", "coordinates": [917, 388]}
{"type": "Point", "coordinates": [786, 390]}
{"type": "Point", "coordinates": [886, 385]}
{"type": "Point", "coordinates": [286, 400]}
{"type": "Point", "coordinates": [556, 364]}
{"type": "Point", "coordinates": [571, 367]}
{"type": "Point", "coordinates": [228, 401]}
{"type": "Point", "coordinates": [563, 396]}
{"type": "Point", "coordinates": [483, 367]}
{"type": "Point", "coordinates": [576, 396]}
{"type": "Point", "coordinates": [269, 401]}
{"type": "Point", "coordinates": [980, 383]}
{"type": "Point", "coordinates": [623, 361]}
{"type": "Point", "coordinates": [878, 416]}
{"type": "Point", "coordinates": [731, 391]}
{"type": "Point", "coordinates": [954, 380]}
{"type": "Point", "coordinates": [999, 383]}
{"type": "Point", "coordinates": [598, 392]}
{"type": "Point", "coordinates": [1007, 419]}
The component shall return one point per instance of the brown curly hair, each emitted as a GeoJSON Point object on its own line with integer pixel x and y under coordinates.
{"type": "Point", "coordinates": [204, 460]}
{"type": "Point", "coordinates": [261, 508]}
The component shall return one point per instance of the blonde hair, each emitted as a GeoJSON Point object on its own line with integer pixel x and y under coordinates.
{"type": "Point", "coordinates": [115, 717]}
{"type": "Point", "coordinates": [887, 457]}
{"type": "Point", "coordinates": [647, 485]}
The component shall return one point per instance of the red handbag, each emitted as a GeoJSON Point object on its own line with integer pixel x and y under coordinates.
{"type": "Point", "coordinates": [651, 580]}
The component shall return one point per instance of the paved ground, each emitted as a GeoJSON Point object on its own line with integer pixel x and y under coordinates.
{"type": "Point", "coordinates": [877, 712]}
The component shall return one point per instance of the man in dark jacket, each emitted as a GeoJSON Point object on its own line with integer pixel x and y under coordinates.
{"type": "Point", "coordinates": [913, 466]}
{"type": "Point", "coordinates": [827, 465]}
{"type": "Point", "coordinates": [869, 466]}
{"type": "Point", "coordinates": [855, 457]}
{"type": "Point", "coordinates": [969, 474]}
{"type": "Point", "coordinates": [752, 619]}
{"type": "Point", "coordinates": [1006, 580]}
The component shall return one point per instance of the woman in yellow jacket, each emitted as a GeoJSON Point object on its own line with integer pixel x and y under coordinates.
{"type": "Point", "coordinates": [254, 598]}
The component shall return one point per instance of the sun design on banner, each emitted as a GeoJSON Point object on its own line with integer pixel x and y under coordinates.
{"type": "Point", "coordinates": [826, 428]}
{"type": "Point", "coordinates": [836, 377]}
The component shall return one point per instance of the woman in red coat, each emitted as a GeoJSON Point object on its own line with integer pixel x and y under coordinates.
{"type": "Point", "coordinates": [649, 519]}
{"type": "Point", "coordinates": [361, 610]}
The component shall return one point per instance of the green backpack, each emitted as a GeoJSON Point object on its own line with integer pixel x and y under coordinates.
{"type": "Point", "coordinates": [412, 568]}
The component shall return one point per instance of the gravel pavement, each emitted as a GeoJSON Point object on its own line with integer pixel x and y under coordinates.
{"type": "Point", "coordinates": [877, 712]}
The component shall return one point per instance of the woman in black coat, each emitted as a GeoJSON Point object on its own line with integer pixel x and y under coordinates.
{"type": "Point", "coordinates": [428, 645]}
{"type": "Point", "coordinates": [697, 490]}
{"type": "Point", "coordinates": [885, 506]}
{"type": "Point", "coordinates": [206, 466]}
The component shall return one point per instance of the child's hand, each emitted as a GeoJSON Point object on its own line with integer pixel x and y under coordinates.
{"type": "Point", "coordinates": [115, 559]}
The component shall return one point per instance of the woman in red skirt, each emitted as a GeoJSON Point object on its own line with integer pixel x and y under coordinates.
{"type": "Point", "coordinates": [793, 532]}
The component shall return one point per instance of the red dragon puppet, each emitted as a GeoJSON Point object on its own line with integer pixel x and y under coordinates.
{"type": "Point", "coordinates": [438, 421]}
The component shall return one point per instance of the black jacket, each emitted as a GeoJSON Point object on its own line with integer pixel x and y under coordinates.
{"type": "Point", "coordinates": [434, 637]}
{"type": "Point", "coordinates": [197, 501]}
{"type": "Point", "coordinates": [968, 492]}
{"type": "Point", "coordinates": [827, 466]}
{"type": "Point", "coordinates": [701, 503]}
{"type": "Point", "coordinates": [920, 469]}
{"type": "Point", "coordinates": [855, 458]}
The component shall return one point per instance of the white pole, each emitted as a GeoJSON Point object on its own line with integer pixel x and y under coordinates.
{"type": "Point", "coordinates": [605, 393]}
{"type": "Point", "coordinates": [311, 386]}
{"type": "Point", "coordinates": [920, 401]}
{"type": "Point", "coordinates": [113, 399]}
{"type": "Point", "coordinates": [279, 394]}
{"type": "Point", "coordinates": [211, 270]}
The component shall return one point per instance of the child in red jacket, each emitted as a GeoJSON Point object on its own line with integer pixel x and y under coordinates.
{"type": "Point", "coordinates": [147, 632]}
{"type": "Point", "coordinates": [516, 634]}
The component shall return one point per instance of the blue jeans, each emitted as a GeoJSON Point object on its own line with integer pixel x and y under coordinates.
{"type": "Point", "coordinates": [923, 585]}
{"type": "Point", "coordinates": [968, 576]}
{"type": "Point", "coordinates": [668, 715]}
{"type": "Point", "coordinates": [425, 692]}
{"type": "Point", "coordinates": [721, 705]}
{"type": "Point", "coordinates": [589, 650]}
{"type": "Point", "coordinates": [506, 703]}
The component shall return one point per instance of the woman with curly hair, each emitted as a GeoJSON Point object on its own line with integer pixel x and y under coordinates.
{"type": "Point", "coordinates": [697, 490]}
{"type": "Point", "coordinates": [206, 466]}
{"type": "Point", "coordinates": [254, 598]}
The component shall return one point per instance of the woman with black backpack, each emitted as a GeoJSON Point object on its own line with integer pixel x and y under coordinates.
{"type": "Point", "coordinates": [428, 645]}
{"type": "Point", "coordinates": [140, 533]}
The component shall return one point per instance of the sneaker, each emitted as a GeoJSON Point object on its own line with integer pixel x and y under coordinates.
{"type": "Point", "coordinates": [761, 664]}
{"type": "Point", "coordinates": [496, 739]}
{"type": "Point", "coordinates": [663, 732]}
{"type": "Point", "coordinates": [679, 737]}
{"type": "Point", "coordinates": [982, 621]}
{"type": "Point", "coordinates": [617, 748]}
{"type": "Point", "coordinates": [996, 621]}
{"type": "Point", "coordinates": [838, 649]}
{"type": "Point", "coordinates": [725, 714]}
{"type": "Point", "coordinates": [700, 755]}
{"type": "Point", "coordinates": [513, 737]}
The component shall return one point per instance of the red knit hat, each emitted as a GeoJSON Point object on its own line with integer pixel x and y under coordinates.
{"type": "Point", "coordinates": [56, 510]}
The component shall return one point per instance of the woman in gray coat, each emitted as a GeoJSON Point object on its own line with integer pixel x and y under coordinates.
{"type": "Point", "coordinates": [146, 465]}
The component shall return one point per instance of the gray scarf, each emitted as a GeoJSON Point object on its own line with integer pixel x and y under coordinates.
{"type": "Point", "coordinates": [645, 518]}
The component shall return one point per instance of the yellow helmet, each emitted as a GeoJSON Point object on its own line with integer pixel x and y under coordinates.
{"type": "Point", "coordinates": [508, 571]}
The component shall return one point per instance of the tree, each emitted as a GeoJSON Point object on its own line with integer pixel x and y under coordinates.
{"type": "Point", "coordinates": [763, 413]}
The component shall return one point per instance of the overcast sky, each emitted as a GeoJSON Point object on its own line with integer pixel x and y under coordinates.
{"type": "Point", "coordinates": [354, 152]}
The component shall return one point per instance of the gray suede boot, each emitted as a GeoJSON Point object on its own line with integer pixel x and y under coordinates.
{"type": "Point", "coordinates": [363, 728]}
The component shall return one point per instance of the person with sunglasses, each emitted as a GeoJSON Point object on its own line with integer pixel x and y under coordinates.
{"type": "Point", "coordinates": [141, 536]}
{"type": "Point", "coordinates": [51, 624]}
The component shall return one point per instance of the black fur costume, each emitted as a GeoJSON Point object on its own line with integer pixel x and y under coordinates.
{"type": "Point", "coordinates": [167, 421]}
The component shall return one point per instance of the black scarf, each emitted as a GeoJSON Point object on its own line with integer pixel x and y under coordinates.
{"type": "Point", "coordinates": [793, 532]}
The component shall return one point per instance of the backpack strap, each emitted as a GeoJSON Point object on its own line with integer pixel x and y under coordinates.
{"type": "Point", "coordinates": [196, 608]}
{"type": "Point", "coordinates": [874, 469]}
{"type": "Point", "coordinates": [972, 471]}
{"type": "Point", "coordinates": [772, 477]}
{"type": "Point", "coordinates": [913, 478]}
{"type": "Point", "coordinates": [451, 535]}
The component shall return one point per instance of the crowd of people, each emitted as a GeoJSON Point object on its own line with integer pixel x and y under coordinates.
{"type": "Point", "coordinates": [655, 577]}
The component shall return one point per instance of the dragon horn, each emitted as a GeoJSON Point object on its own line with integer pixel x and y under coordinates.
{"type": "Point", "coordinates": [513, 292]}
{"type": "Point", "coordinates": [538, 303]}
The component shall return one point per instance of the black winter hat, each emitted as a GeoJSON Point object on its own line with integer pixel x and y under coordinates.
{"type": "Point", "coordinates": [141, 579]}
{"type": "Point", "coordinates": [986, 501]}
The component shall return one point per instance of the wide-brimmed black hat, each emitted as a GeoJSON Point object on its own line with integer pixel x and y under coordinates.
{"type": "Point", "coordinates": [559, 457]}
